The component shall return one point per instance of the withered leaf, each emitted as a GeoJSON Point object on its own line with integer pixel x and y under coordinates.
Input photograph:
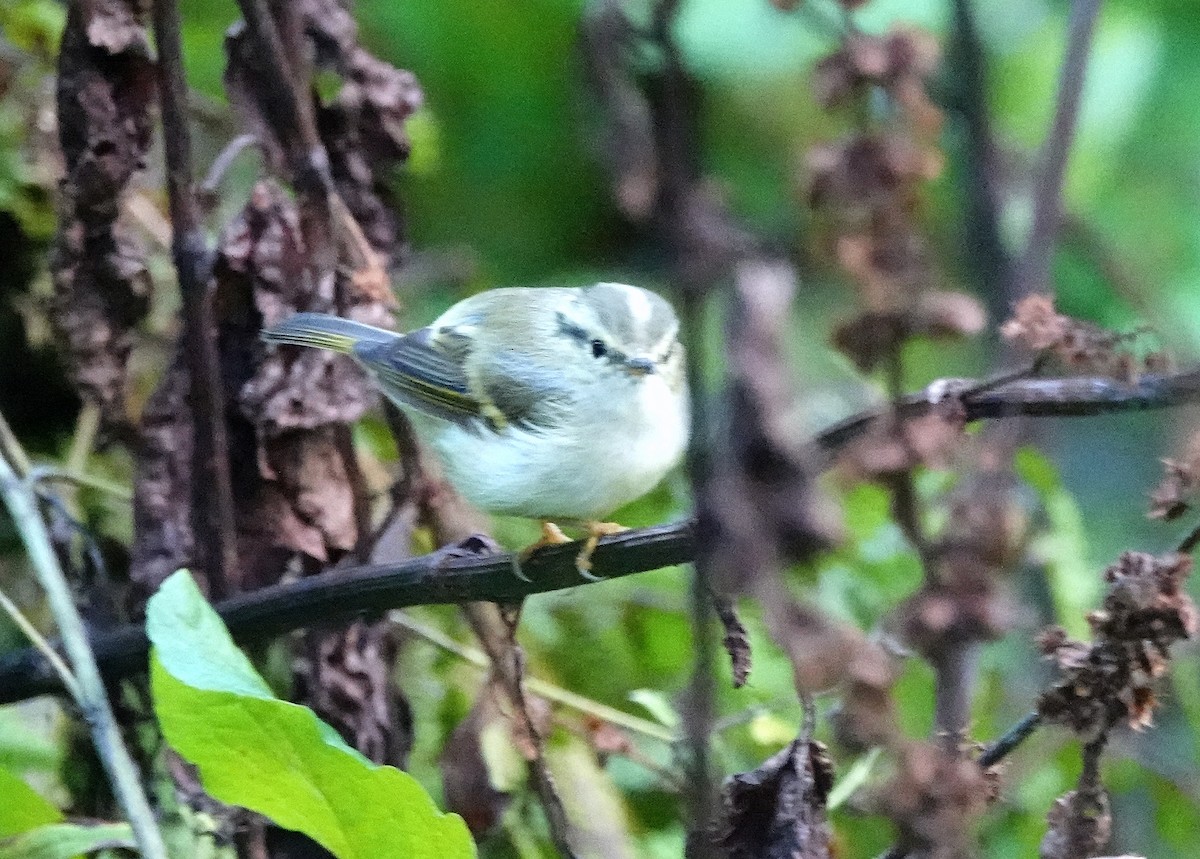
{"type": "Point", "coordinates": [470, 789]}
{"type": "Point", "coordinates": [105, 91]}
{"type": "Point", "coordinates": [1080, 825]}
{"type": "Point", "coordinates": [1111, 680]}
{"type": "Point", "coordinates": [777, 811]}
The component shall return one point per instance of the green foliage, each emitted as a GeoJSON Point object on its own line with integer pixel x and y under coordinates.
{"type": "Point", "coordinates": [23, 808]}
{"type": "Point", "coordinates": [1073, 582]}
{"type": "Point", "coordinates": [67, 840]}
{"type": "Point", "coordinates": [274, 757]}
{"type": "Point", "coordinates": [32, 28]}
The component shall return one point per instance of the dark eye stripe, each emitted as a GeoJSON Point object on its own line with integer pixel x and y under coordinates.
{"type": "Point", "coordinates": [566, 326]}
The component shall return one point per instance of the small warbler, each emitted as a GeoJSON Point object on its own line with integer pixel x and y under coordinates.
{"type": "Point", "coordinates": [557, 404]}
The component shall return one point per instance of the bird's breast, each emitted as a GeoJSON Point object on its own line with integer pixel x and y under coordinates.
{"type": "Point", "coordinates": [610, 449]}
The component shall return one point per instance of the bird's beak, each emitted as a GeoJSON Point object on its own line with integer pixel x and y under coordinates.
{"type": "Point", "coordinates": [639, 366]}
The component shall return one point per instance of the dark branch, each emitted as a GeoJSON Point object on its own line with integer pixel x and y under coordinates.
{"type": "Point", "coordinates": [212, 492]}
{"type": "Point", "coordinates": [968, 72]}
{"type": "Point", "coordinates": [340, 594]}
{"type": "Point", "coordinates": [436, 578]}
{"type": "Point", "coordinates": [291, 113]}
{"type": "Point", "coordinates": [1034, 271]}
{"type": "Point", "coordinates": [1040, 398]}
{"type": "Point", "coordinates": [1012, 738]}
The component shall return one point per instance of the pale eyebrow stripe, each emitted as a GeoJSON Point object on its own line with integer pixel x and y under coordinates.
{"type": "Point", "coordinates": [640, 308]}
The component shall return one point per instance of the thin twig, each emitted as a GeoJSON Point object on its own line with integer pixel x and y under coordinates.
{"type": "Point", "coordinates": [1188, 544]}
{"type": "Point", "coordinates": [1081, 396]}
{"type": "Point", "coordinates": [1011, 738]}
{"type": "Point", "coordinates": [508, 667]}
{"type": "Point", "coordinates": [44, 647]}
{"type": "Point", "coordinates": [539, 687]}
{"type": "Point", "coordinates": [93, 701]}
{"type": "Point", "coordinates": [967, 71]}
{"type": "Point", "coordinates": [291, 114]}
{"type": "Point", "coordinates": [1034, 268]}
{"type": "Point", "coordinates": [84, 438]}
{"type": "Point", "coordinates": [674, 123]}
{"type": "Point", "coordinates": [51, 474]}
{"type": "Point", "coordinates": [955, 670]}
{"type": "Point", "coordinates": [13, 451]}
{"type": "Point", "coordinates": [212, 490]}
{"type": "Point", "coordinates": [221, 164]}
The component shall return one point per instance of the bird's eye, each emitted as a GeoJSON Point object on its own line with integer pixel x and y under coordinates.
{"type": "Point", "coordinates": [599, 350]}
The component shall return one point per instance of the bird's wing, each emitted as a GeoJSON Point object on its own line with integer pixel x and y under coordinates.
{"type": "Point", "coordinates": [417, 370]}
{"type": "Point", "coordinates": [435, 371]}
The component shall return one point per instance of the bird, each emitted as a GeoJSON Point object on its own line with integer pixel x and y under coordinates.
{"type": "Point", "coordinates": [558, 404]}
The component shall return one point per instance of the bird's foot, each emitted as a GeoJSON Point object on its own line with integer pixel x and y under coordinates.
{"type": "Point", "coordinates": [552, 535]}
{"type": "Point", "coordinates": [595, 530]}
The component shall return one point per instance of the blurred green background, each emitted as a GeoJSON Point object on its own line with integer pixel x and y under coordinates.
{"type": "Point", "coordinates": [506, 186]}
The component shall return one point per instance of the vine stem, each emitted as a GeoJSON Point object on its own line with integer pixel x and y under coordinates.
{"type": "Point", "coordinates": [26, 626]}
{"type": "Point", "coordinates": [92, 699]}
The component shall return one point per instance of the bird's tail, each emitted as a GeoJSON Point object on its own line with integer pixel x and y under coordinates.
{"type": "Point", "coordinates": [325, 332]}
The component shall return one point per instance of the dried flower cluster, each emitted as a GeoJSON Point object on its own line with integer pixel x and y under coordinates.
{"type": "Point", "coordinates": [1111, 679]}
{"type": "Point", "coordinates": [961, 600]}
{"type": "Point", "coordinates": [1076, 346]}
{"type": "Point", "coordinates": [1176, 492]}
{"type": "Point", "coordinates": [868, 186]}
{"type": "Point", "coordinates": [1079, 824]}
{"type": "Point", "coordinates": [935, 797]}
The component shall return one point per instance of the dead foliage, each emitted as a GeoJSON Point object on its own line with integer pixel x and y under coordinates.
{"type": "Point", "coordinates": [105, 92]}
{"type": "Point", "coordinates": [777, 811]}
{"type": "Point", "coordinates": [935, 797]}
{"type": "Point", "coordinates": [1176, 492]}
{"type": "Point", "coordinates": [1069, 345]}
{"type": "Point", "coordinates": [1111, 679]}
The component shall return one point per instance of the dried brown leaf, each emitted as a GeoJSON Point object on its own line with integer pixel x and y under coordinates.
{"type": "Point", "coordinates": [736, 640]}
{"type": "Point", "coordinates": [1176, 491]}
{"type": "Point", "coordinates": [1080, 826]}
{"type": "Point", "coordinates": [466, 783]}
{"type": "Point", "coordinates": [162, 528]}
{"type": "Point", "coordinates": [777, 811]}
{"type": "Point", "coordinates": [105, 92]}
{"type": "Point", "coordinates": [1111, 680]}
{"type": "Point", "coordinates": [345, 676]}
{"type": "Point", "coordinates": [935, 799]}
{"type": "Point", "coordinates": [760, 507]}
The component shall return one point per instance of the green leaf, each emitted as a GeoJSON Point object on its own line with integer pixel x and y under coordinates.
{"type": "Point", "coordinates": [23, 808]}
{"type": "Point", "coordinates": [657, 705]}
{"type": "Point", "coordinates": [274, 757]}
{"type": "Point", "coordinates": [1075, 587]}
{"type": "Point", "coordinates": [506, 768]}
{"type": "Point", "coordinates": [64, 840]}
{"type": "Point", "coordinates": [856, 776]}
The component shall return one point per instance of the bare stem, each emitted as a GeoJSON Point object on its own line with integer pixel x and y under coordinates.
{"type": "Point", "coordinates": [955, 670]}
{"type": "Point", "coordinates": [1034, 269]}
{"type": "Point", "coordinates": [44, 647]}
{"type": "Point", "coordinates": [212, 491]}
{"type": "Point", "coordinates": [106, 735]}
{"type": "Point", "coordinates": [541, 688]}
{"type": "Point", "coordinates": [1011, 738]}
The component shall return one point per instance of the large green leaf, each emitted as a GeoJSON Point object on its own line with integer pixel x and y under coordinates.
{"type": "Point", "coordinates": [274, 757]}
{"type": "Point", "coordinates": [65, 840]}
{"type": "Point", "coordinates": [23, 808]}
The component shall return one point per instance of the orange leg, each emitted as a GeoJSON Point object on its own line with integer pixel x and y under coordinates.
{"type": "Point", "coordinates": [595, 530]}
{"type": "Point", "coordinates": [552, 535]}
